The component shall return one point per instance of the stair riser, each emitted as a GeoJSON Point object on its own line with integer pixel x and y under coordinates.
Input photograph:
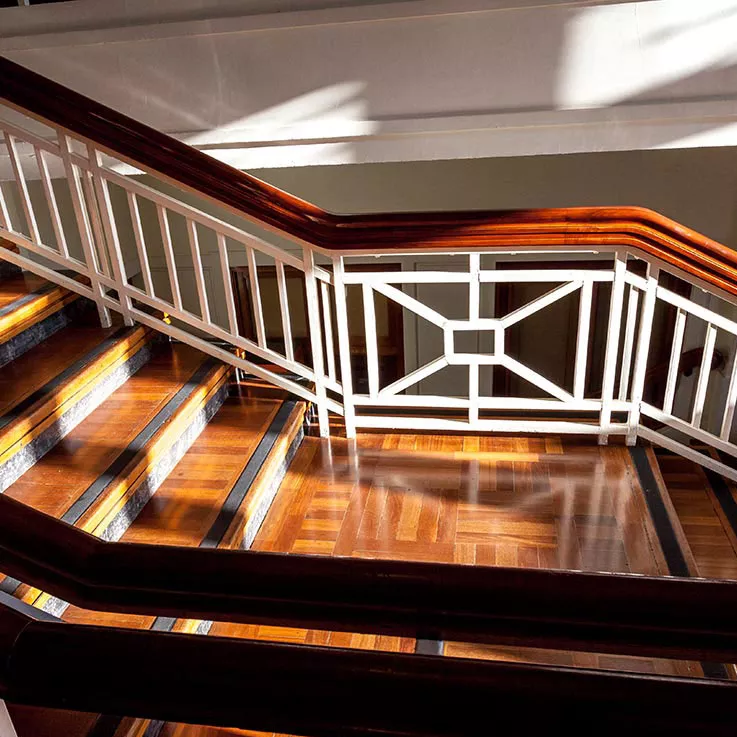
{"type": "Point", "coordinates": [21, 461]}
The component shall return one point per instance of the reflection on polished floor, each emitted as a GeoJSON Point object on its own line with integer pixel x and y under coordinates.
{"type": "Point", "coordinates": [532, 502]}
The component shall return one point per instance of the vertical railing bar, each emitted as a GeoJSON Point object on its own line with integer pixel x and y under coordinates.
{"type": "Point", "coordinates": [25, 197]}
{"type": "Point", "coordinates": [7, 729]}
{"type": "Point", "coordinates": [258, 310]}
{"type": "Point", "coordinates": [327, 320]}
{"type": "Point", "coordinates": [43, 169]}
{"type": "Point", "coordinates": [372, 351]}
{"type": "Point", "coordinates": [286, 323]}
{"type": "Point", "coordinates": [582, 339]}
{"type": "Point", "coordinates": [643, 350]}
{"type": "Point", "coordinates": [629, 341]}
{"type": "Point", "coordinates": [199, 276]}
{"type": "Point", "coordinates": [83, 226]}
{"type": "Point", "coordinates": [474, 286]}
{"type": "Point", "coordinates": [140, 243]}
{"type": "Point", "coordinates": [110, 229]}
{"type": "Point", "coordinates": [171, 263]}
{"type": "Point", "coordinates": [703, 381]}
{"type": "Point", "coordinates": [731, 402]}
{"type": "Point", "coordinates": [227, 284]}
{"type": "Point", "coordinates": [4, 212]}
{"type": "Point", "coordinates": [313, 315]}
{"type": "Point", "coordinates": [473, 393]}
{"type": "Point", "coordinates": [612, 346]}
{"type": "Point", "coordinates": [100, 253]}
{"type": "Point", "coordinates": [344, 346]}
{"type": "Point", "coordinates": [675, 361]}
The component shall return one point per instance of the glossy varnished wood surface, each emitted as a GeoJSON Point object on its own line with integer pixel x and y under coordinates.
{"type": "Point", "coordinates": [188, 501]}
{"type": "Point", "coordinates": [635, 227]}
{"type": "Point", "coordinates": [711, 542]}
{"type": "Point", "coordinates": [529, 502]}
{"type": "Point", "coordinates": [15, 287]}
{"type": "Point", "coordinates": [56, 481]}
{"type": "Point", "coordinates": [41, 364]}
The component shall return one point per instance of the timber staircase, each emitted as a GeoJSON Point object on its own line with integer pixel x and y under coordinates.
{"type": "Point", "coordinates": [140, 440]}
{"type": "Point", "coordinates": [463, 550]}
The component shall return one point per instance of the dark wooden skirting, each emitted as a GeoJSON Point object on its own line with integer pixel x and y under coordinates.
{"type": "Point", "coordinates": [332, 691]}
{"type": "Point", "coordinates": [637, 228]}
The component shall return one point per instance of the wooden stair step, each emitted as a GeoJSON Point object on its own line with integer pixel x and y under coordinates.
{"type": "Point", "coordinates": [31, 309]}
{"type": "Point", "coordinates": [218, 492]}
{"type": "Point", "coordinates": [51, 388]}
{"type": "Point", "coordinates": [104, 471]}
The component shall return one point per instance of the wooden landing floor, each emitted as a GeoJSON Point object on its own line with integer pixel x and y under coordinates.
{"type": "Point", "coordinates": [527, 502]}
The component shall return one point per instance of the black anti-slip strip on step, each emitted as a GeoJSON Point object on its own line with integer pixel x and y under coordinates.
{"type": "Point", "coordinates": [30, 611]}
{"type": "Point", "coordinates": [25, 299]}
{"type": "Point", "coordinates": [237, 494]}
{"type": "Point", "coordinates": [106, 725]}
{"type": "Point", "coordinates": [722, 493]}
{"type": "Point", "coordinates": [97, 488]}
{"type": "Point", "coordinates": [674, 558]}
{"type": "Point", "coordinates": [428, 647]}
{"type": "Point", "coordinates": [71, 370]}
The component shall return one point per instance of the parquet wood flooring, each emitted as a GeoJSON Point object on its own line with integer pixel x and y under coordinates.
{"type": "Point", "coordinates": [531, 502]}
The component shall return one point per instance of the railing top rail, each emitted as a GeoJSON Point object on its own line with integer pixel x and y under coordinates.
{"type": "Point", "coordinates": [127, 139]}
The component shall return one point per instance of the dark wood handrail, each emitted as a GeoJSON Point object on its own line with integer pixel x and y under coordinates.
{"type": "Point", "coordinates": [618, 613]}
{"type": "Point", "coordinates": [638, 228]}
{"type": "Point", "coordinates": [327, 692]}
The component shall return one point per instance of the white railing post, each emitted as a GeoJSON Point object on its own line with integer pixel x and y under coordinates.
{"type": "Point", "coordinates": [643, 350]}
{"type": "Point", "coordinates": [612, 346]}
{"type": "Point", "coordinates": [6, 724]}
{"type": "Point", "coordinates": [110, 230]}
{"type": "Point", "coordinates": [313, 317]}
{"type": "Point", "coordinates": [344, 346]}
{"type": "Point", "coordinates": [84, 227]}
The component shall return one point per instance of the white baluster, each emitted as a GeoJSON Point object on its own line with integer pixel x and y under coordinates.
{"type": "Point", "coordinates": [643, 350]}
{"type": "Point", "coordinates": [582, 340]}
{"type": "Point", "coordinates": [171, 264]}
{"type": "Point", "coordinates": [675, 361]}
{"type": "Point", "coordinates": [258, 312]}
{"type": "Point", "coordinates": [327, 320]}
{"type": "Point", "coordinates": [372, 350]}
{"type": "Point", "coordinates": [286, 323]}
{"type": "Point", "coordinates": [703, 380]}
{"type": "Point", "coordinates": [110, 229]}
{"type": "Point", "coordinates": [48, 188]}
{"type": "Point", "coordinates": [227, 284]}
{"type": "Point", "coordinates": [25, 198]}
{"type": "Point", "coordinates": [148, 284]}
{"type": "Point", "coordinates": [6, 723]}
{"type": "Point", "coordinates": [629, 341]}
{"type": "Point", "coordinates": [344, 346]}
{"type": "Point", "coordinates": [313, 315]}
{"type": "Point", "coordinates": [612, 346]}
{"type": "Point", "coordinates": [194, 244]}
{"type": "Point", "coordinates": [84, 227]}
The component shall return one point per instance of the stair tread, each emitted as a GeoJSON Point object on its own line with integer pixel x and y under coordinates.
{"type": "Point", "coordinates": [16, 287]}
{"type": "Point", "coordinates": [42, 363]}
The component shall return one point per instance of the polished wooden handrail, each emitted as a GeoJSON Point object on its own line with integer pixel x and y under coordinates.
{"type": "Point", "coordinates": [326, 692]}
{"type": "Point", "coordinates": [635, 227]}
{"type": "Point", "coordinates": [617, 613]}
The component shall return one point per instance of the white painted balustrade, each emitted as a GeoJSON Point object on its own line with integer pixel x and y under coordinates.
{"type": "Point", "coordinates": [79, 222]}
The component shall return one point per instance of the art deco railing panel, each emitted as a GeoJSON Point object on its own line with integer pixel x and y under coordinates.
{"type": "Point", "coordinates": [91, 198]}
